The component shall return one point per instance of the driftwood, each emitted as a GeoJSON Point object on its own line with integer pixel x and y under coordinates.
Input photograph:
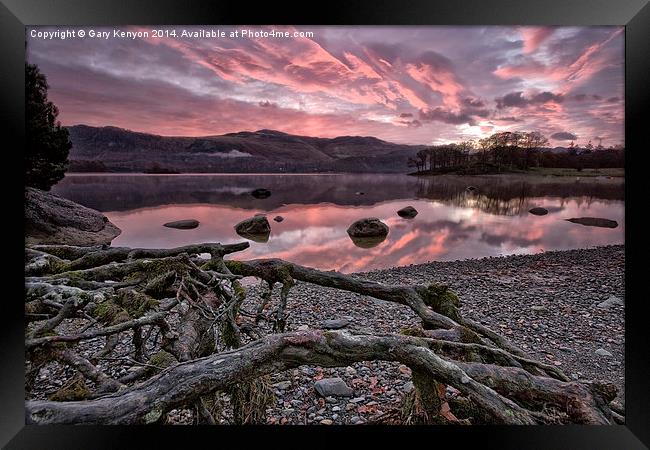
{"type": "Point", "coordinates": [189, 342]}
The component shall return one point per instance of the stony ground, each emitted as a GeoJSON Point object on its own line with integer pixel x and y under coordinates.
{"type": "Point", "coordinates": [565, 308]}
{"type": "Point", "coordinates": [548, 304]}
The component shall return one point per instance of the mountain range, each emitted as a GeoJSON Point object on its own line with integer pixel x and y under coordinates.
{"type": "Point", "coordinates": [111, 149]}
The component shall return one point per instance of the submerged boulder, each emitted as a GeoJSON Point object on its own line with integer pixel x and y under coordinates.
{"type": "Point", "coordinates": [261, 193]}
{"type": "Point", "coordinates": [408, 212]}
{"type": "Point", "coordinates": [538, 211]}
{"type": "Point", "coordinates": [50, 219]}
{"type": "Point", "coordinates": [594, 222]}
{"type": "Point", "coordinates": [256, 228]}
{"type": "Point", "coordinates": [367, 242]}
{"type": "Point", "coordinates": [186, 224]}
{"type": "Point", "coordinates": [368, 233]}
{"type": "Point", "coordinates": [369, 227]}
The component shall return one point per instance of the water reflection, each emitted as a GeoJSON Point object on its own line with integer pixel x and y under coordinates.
{"type": "Point", "coordinates": [367, 242]}
{"type": "Point", "coordinates": [452, 223]}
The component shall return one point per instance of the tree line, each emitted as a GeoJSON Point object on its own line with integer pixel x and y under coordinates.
{"type": "Point", "coordinates": [508, 150]}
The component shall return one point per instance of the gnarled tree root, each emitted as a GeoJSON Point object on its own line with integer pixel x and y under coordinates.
{"type": "Point", "coordinates": [186, 382]}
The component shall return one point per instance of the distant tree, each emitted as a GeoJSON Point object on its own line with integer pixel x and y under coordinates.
{"type": "Point", "coordinates": [589, 147]}
{"type": "Point", "coordinates": [422, 158]}
{"type": "Point", "coordinates": [531, 143]}
{"type": "Point", "coordinates": [412, 162]}
{"type": "Point", "coordinates": [47, 142]}
{"type": "Point", "coordinates": [485, 145]}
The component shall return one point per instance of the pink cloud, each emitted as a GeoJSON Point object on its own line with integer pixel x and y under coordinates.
{"type": "Point", "coordinates": [533, 37]}
{"type": "Point", "coordinates": [355, 81]}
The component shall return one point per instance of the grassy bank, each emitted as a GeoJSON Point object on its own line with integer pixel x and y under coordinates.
{"type": "Point", "coordinates": [568, 172]}
{"type": "Point", "coordinates": [535, 171]}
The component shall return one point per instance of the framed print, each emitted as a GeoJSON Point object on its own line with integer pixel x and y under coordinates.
{"type": "Point", "coordinates": [362, 220]}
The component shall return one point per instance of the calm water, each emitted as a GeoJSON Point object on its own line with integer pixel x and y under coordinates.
{"type": "Point", "coordinates": [452, 223]}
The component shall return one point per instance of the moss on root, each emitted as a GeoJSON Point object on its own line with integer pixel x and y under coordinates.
{"type": "Point", "coordinates": [124, 306]}
{"type": "Point", "coordinates": [235, 267]}
{"type": "Point", "coordinates": [441, 299]}
{"type": "Point", "coordinates": [250, 401]}
{"type": "Point", "coordinates": [422, 405]}
{"type": "Point", "coordinates": [74, 390]}
{"type": "Point", "coordinates": [162, 360]}
{"type": "Point", "coordinates": [136, 303]}
{"type": "Point", "coordinates": [412, 331]}
{"type": "Point", "coordinates": [158, 286]}
{"type": "Point", "coordinates": [107, 312]}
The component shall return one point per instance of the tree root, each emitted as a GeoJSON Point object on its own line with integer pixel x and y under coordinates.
{"type": "Point", "coordinates": [202, 354]}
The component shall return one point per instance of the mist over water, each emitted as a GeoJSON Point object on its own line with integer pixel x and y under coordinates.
{"type": "Point", "coordinates": [452, 223]}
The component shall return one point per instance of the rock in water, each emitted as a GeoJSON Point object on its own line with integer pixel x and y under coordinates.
{"type": "Point", "coordinates": [538, 211]}
{"type": "Point", "coordinates": [278, 219]}
{"type": "Point", "coordinates": [368, 233]}
{"type": "Point", "coordinates": [261, 193]}
{"type": "Point", "coordinates": [408, 212]}
{"type": "Point", "coordinates": [255, 229]}
{"type": "Point", "coordinates": [333, 387]}
{"type": "Point", "coordinates": [367, 242]}
{"type": "Point", "coordinates": [186, 224]}
{"type": "Point", "coordinates": [335, 324]}
{"type": "Point", "coordinates": [594, 222]}
{"type": "Point", "coordinates": [370, 227]}
{"type": "Point", "coordinates": [50, 219]}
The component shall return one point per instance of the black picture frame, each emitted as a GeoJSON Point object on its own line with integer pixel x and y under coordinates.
{"type": "Point", "coordinates": [633, 14]}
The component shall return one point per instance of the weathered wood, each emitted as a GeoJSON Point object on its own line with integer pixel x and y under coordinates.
{"type": "Point", "coordinates": [188, 381]}
{"type": "Point", "coordinates": [188, 306]}
{"type": "Point", "coordinates": [87, 257]}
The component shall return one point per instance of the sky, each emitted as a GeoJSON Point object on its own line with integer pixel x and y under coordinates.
{"type": "Point", "coordinates": [411, 85]}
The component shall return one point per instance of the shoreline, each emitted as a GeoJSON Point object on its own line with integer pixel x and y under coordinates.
{"type": "Point", "coordinates": [586, 173]}
{"type": "Point", "coordinates": [480, 259]}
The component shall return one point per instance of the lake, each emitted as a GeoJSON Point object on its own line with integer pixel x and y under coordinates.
{"type": "Point", "coordinates": [453, 223]}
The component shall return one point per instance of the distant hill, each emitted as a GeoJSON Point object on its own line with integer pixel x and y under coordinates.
{"type": "Point", "coordinates": [114, 149]}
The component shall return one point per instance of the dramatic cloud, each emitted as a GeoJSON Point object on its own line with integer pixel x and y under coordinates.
{"type": "Point", "coordinates": [564, 136]}
{"type": "Point", "coordinates": [517, 99]}
{"type": "Point", "coordinates": [442, 115]}
{"type": "Point", "coordinates": [417, 85]}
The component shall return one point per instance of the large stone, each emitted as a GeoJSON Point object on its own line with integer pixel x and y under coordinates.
{"type": "Point", "coordinates": [369, 227]}
{"type": "Point", "coordinates": [186, 224]}
{"type": "Point", "coordinates": [50, 219]}
{"type": "Point", "coordinates": [255, 229]}
{"type": "Point", "coordinates": [261, 193]}
{"type": "Point", "coordinates": [335, 324]}
{"type": "Point", "coordinates": [611, 301]}
{"type": "Point", "coordinates": [603, 352]}
{"type": "Point", "coordinates": [333, 387]}
{"type": "Point", "coordinates": [367, 242]}
{"type": "Point", "coordinates": [594, 222]}
{"type": "Point", "coordinates": [538, 211]}
{"type": "Point", "coordinates": [408, 212]}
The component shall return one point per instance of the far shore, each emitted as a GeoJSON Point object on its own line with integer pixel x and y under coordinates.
{"type": "Point", "coordinates": [538, 172]}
